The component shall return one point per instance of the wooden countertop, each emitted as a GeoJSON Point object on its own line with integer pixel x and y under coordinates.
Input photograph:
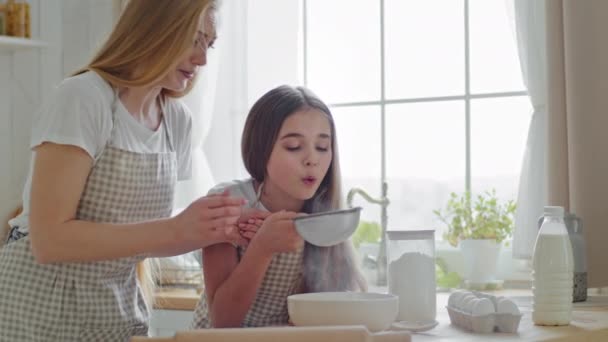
{"type": "Point", "coordinates": [176, 299]}
{"type": "Point", "coordinates": [589, 319]}
{"type": "Point", "coordinates": [589, 323]}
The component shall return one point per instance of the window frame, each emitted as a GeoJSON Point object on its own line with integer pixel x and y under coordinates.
{"type": "Point", "coordinates": [467, 97]}
{"type": "Point", "coordinates": [514, 271]}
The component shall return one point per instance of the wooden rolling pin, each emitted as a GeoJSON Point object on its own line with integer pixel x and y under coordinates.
{"type": "Point", "coordinates": [283, 334]}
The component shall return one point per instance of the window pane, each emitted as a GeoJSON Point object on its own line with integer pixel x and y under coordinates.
{"type": "Point", "coordinates": [424, 48]}
{"type": "Point", "coordinates": [343, 49]}
{"type": "Point", "coordinates": [358, 131]}
{"type": "Point", "coordinates": [499, 129]}
{"type": "Point", "coordinates": [425, 161]}
{"type": "Point", "coordinates": [494, 59]}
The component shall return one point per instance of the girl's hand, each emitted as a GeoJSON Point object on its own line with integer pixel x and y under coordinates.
{"type": "Point", "coordinates": [251, 221]}
{"type": "Point", "coordinates": [278, 234]}
{"type": "Point", "coordinates": [211, 219]}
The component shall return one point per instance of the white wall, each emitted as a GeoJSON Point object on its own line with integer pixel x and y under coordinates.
{"type": "Point", "coordinates": [72, 29]}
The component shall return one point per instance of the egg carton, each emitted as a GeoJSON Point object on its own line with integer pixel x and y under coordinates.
{"type": "Point", "coordinates": [483, 313]}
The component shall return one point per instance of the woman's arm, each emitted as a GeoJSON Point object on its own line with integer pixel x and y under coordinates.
{"type": "Point", "coordinates": [58, 180]}
{"type": "Point", "coordinates": [231, 286]}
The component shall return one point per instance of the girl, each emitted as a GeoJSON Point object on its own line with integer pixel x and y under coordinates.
{"type": "Point", "coordinates": [108, 149]}
{"type": "Point", "coordinates": [289, 149]}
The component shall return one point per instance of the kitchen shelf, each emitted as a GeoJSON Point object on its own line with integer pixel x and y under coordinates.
{"type": "Point", "coordinates": [9, 44]}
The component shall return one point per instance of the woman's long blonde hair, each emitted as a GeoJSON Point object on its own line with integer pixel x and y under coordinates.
{"type": "Point", "coordinates": [324, 268]}
{"type": "Point", "coordinates": [147, 42]}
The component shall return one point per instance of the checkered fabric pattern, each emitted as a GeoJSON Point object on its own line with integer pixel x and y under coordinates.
{"type": "Point", "coordinates": [89, 301]}
{"type": "Point", "coordinates": [14, 234]}
{"type": "Point", "coordinates": [269, 308]}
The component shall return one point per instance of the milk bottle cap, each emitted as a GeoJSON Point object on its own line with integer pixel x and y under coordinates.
{"type": "Point", "coordinates": [554, 211]}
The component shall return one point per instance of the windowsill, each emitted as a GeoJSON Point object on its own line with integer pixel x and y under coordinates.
{"type": "Point", "coordinates": [516, 275]}
{"type": "Point", "coordinates": [11, 44]}
{"type": "Point", "coordinates": [514, 272]}
{"type": "Point", "coordinates": [176, 299]}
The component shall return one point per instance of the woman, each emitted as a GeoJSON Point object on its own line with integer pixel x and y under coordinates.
{"type": "Point", "coordinates": [108, 149]}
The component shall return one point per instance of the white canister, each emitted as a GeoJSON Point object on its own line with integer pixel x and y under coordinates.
{"type": "Point", "coordinates": [411, 274]}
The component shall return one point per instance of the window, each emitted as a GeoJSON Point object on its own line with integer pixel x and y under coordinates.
{"type": "Point", "coordinates": [426, 95]}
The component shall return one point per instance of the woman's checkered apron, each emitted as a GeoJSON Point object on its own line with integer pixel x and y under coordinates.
{"type": "Point", "coordinates": [89, 301]}
{"type": "Point", "coordinates": [269, 307]}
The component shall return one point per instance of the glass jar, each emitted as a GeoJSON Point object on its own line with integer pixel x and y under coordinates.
{"type": "Point", "coordinates": [2, 19]}
{"type": "Point", "coordinates": [575, 231]}
{"type": "Point", "coordinates": [18, 19]}
{"type": "Point", "coordinates": [411, 274]}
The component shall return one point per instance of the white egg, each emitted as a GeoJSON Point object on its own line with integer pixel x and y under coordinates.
{"type": "Point", "coordinates": [506, 305]}
{"type": "Point", "coordinates": [460, 302]}
{"type": "Point", "coordinates": [495, 301]}
{"type": "Point", "coordinates": [454, 298]}
{"type": "Point", "coordinates": [466, 298]}
{"type": "Point", "coordinates": [483, 307]}
{"type": "Point", "coordinates": [469, 304]}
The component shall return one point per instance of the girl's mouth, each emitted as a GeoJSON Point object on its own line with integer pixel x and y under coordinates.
{"type": "Point", "coordinates": [309, 180]}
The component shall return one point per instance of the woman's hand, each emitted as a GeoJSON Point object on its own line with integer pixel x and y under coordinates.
{"type": "Point", "coordinates": [251, 221]}
{"type": "Point", "coordinates": [278, 234]}
{"type": "Point", "coordinates": [211, 219]}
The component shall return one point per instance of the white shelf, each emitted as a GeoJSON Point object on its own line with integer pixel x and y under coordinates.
{"type": "Point", "coordinates": [8, 44]}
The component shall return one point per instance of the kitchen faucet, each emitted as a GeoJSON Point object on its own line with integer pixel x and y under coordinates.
{"type": "Point", "coordinates": [383, 202]}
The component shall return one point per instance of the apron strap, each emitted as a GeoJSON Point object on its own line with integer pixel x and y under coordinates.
{"type": "Point", "coordinates": [113, 129]}
{"type": "Point", "coordinates": [168, 133]}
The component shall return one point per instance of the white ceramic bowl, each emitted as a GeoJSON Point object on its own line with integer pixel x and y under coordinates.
{"type": "Point", "coordinates": [328, 228]}
{"type": "Point", "coordinates": [377, 311]}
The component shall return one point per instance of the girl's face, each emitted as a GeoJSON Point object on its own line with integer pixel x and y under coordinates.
{"type": "Point", "coordinates": [195, 57]}
{"type": "Point", "coordinates": [300, 157]}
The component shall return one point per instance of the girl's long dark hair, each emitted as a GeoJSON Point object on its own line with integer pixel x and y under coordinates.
{"type": "Point", "coordinates": [324, 268]}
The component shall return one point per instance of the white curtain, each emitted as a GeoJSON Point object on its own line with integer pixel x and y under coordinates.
{"type": "Point", "coordinates": [217, 98]}
{"type": "Point", "coordinates": [530, 28]}
{"type": "Point", "coordinates": [200, 101]}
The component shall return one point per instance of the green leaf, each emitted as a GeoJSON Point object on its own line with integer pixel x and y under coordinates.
{"type": "Point", "coordinates": [483, 218]}
{"type": "Point", "coordinates": [450, 280]}
{"type": "Point", "coordinates": [370, 232]}
{"type": "Point", "coordinates": [444, 278]}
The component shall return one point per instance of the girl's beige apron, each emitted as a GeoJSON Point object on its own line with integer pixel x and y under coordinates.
{"type": "Point", "coordinates": [90, 301]}
{"type": "Point", "coordinates": [269, 307]}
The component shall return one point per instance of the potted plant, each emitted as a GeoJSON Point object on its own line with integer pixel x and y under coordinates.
{"type": "Point", "coordinates": [479, 228]}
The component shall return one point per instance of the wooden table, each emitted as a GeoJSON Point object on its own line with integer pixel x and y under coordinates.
{"type": "Point", "coordinates": [589, 321]}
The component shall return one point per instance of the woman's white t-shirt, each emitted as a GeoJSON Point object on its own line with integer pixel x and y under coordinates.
{"type": "Point", "coordinates": [240, 188]}
{"type": "Point", "coordinates": [79, 113]}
